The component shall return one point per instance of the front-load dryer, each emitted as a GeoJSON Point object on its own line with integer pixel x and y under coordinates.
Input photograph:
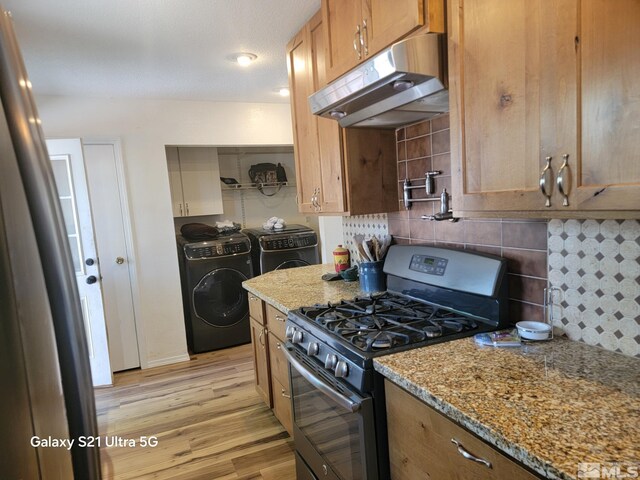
{"type": "Point", "coordinates": [215, 304]}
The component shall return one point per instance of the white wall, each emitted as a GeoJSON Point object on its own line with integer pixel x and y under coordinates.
{"type": "Point", "coordinates": [145, 127]}
{"type": "Point", "coordinates": [331, 235]}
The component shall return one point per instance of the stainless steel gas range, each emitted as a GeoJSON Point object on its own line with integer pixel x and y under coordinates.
{"type": "Point", "coordinates": [434, 295]}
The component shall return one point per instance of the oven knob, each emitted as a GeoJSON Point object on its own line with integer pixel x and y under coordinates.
{"type": "Point", "coordinates": [342, 369]}
{"type": "Point", "coordinates": [288, 333]}
{"type": "Point", "coordinates": [297, 337]}
{"type": "Point", "coordinates": [313, 349]}
{"type": "Point", "coordinates": [330, 361]}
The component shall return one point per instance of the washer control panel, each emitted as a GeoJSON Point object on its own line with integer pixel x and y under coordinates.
{"type": "Point", "coordinates": [288, 242]}
{"type": "Point", "coordinates": [217, 248]}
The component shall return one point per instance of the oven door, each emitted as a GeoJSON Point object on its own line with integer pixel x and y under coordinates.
{"type": "Point", "coordinates": [334, 430]}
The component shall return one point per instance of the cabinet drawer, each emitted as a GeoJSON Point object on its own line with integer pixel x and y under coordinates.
{"type": "Point", "coordinates": [278, 362]}
{"type": "Point", "coordinates": [275, 322]}
{"type": "Point", "coordinates": [282, 405]}
{"type": "Point", "coordinates": [420, 445]}
{"type": "Point", "coordinates": [256, 308]}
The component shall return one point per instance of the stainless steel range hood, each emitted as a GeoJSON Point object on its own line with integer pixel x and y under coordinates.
{"type": "Point", "coordinates": [403, 84]}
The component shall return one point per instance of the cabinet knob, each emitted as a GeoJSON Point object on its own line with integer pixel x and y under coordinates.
{"type": "Point", "coordinates": [91, 279]}
{"type": "Point", "coordinates": [119, 260]}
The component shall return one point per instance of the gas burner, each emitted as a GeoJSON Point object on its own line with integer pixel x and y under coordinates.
{"type": "Point", "coordinates": [387, 321]}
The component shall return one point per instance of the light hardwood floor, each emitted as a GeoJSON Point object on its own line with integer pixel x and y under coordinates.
{"type": "Point", "coordinates": [209, 421]}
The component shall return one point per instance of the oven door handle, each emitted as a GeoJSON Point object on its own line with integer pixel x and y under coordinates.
{"type": "Point", "coordinates": [340, 399]}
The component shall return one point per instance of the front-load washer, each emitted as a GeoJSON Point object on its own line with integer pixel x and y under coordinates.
{"type": "Point", "coordinates": [289, 247]}
{"type": "Point", "coordinates": [215, 304]}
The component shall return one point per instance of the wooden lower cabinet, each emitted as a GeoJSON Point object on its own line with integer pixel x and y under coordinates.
{"type": "Point", "coordinates": [271, 366]}
{"type": "Point", "coordinates": [260, 359]}
{"type": "Point", "coordinates": [420, 445]}
{"type": "Point", "coordinates": [282, 404]}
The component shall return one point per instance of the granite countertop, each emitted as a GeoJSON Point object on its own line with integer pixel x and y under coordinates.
{"type": "Point", "coordinates": [550, 405]}
{"type": "Point", "coordinates": [296, 287]}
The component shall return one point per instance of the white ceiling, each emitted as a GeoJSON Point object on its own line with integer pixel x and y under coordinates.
{"type": "Point", "coordinates": [174, 49]}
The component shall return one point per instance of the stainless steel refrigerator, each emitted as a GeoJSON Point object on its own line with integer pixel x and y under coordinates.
{"type": "Point", "coordinates": [45, 379]}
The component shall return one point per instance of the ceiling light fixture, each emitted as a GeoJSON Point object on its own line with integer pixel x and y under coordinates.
{"type": "Point", "coordinates": [284, 92]}
{"type": "Point", "coordinates": [245, 59]}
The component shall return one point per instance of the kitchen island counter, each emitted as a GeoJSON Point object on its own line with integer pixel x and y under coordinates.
{"type": "Point", "coordinates": [549, 405]}
{"type": "Point", "coordinates": [303, 286]}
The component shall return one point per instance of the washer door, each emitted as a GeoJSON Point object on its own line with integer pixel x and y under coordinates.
{"type": "Point", "coordinates": [292, 264]}
{"type": "Point", "coordinates": [219, 299]}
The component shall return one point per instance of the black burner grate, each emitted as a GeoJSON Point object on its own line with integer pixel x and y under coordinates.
{"type": "Point", "coordinates": [387, 321]}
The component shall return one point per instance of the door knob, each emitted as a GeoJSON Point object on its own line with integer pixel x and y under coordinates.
{"type": "Point", "coordinates": [89, 261]}
{"type": "Point", "coordinates": [91, 279]}
{"type": "Point", "coordinates": [119, 260]}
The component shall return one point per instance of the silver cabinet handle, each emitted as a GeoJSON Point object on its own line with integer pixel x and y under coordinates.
{"type": "Point", "coordinates": [363, 38]}
{"type": "Point", "coordinates": [357, 39]}
{"type": "Point", "coordinates": [119, 260]}
{"type": "Point", "coordinates": [284, 393]}
{"type": "Point", "coordinates": [187, 205]}
{"type": "Point", "coordinates": [564, 183]}
{"type": "Point", "coordinates": [280, 318]}
{"type": "Point", "coordinates": [260, 337]}
{"type": "Point", "coordinates": [546, 178]}
{"type": "Point", "coordinates": [253, 299]}
{"type": "Point", "coordinates": [465, 453]}
{"type": "Point", "coordinates": [180, 206]}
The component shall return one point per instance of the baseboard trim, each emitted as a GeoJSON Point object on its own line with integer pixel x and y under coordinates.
{"type": "Point", "coordinates": [168, 360]}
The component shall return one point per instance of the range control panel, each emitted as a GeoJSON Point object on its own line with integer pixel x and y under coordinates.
{"type": "Point", "coordinates": [287, 242]}
{"type": "Point", "coordinates": [214, 249]}
{"type": "Point", "coordinates": [428, 264]}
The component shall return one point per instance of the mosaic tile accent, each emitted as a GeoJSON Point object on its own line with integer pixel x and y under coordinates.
{"type": "Point", "coordinates": [368, 225]}
{"type": "Point", "coordinates": [596, 265]}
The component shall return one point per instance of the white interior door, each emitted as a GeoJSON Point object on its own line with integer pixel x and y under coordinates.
{"type": "Point", "coordinates": [68, 169]}
{"type": "Point", "coordinates": [108, 206]}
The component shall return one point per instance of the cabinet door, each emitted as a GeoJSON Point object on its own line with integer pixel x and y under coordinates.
{"type": "Point", "coordinates": [371, 172]}
{"type": "Point", "coordinates": [200, 174]}
{"type": "Point", "coordinates": [420, 445]}
{"type": "Point", "coordinates": [175, 182]}
{"type": "Point", "coordinates": [329, 139]}
{"type": "Point", "coordinates": [280, 384]}
{"type": "Point", "coordinates": [605, 160]}
{"type": "Point", "coordinates": [305, 136]}
{"type": "Point", "coordinates": [500, 81]}
{"type": "Point", "coordinates": [342, 25]}
{"type": "Point", "coordinates": [385, 22]}
{"type": "Point", "coordinates": [260, 360]}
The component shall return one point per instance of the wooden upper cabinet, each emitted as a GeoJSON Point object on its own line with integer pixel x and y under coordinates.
{"type": "Point", "coordinates": [305, 136]}
{"type": "Point", "coordinates": [357, 29]}
{"type": "Point", "coordinates": [608, 150]}
{"type": "Point", "coordinates": [338, 171]}
{"type": "Point", "coordinates": [531, 80]}
{"type": "Point", "coordinates": [342, 25]}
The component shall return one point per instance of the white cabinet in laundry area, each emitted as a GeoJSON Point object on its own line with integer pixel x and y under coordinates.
{"type": "Point", "coordinates": [194, 180]}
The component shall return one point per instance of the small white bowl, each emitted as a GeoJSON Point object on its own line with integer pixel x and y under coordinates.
{"type": "Point", "coordinates": [530, 330]}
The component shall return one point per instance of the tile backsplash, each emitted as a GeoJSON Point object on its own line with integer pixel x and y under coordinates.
{"type": "Point", "coordinates": [368, 225]}
{"type": "Point", "coordinates": [596, 266]}
{"type": "Point", "coordinates": [598, 262]}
